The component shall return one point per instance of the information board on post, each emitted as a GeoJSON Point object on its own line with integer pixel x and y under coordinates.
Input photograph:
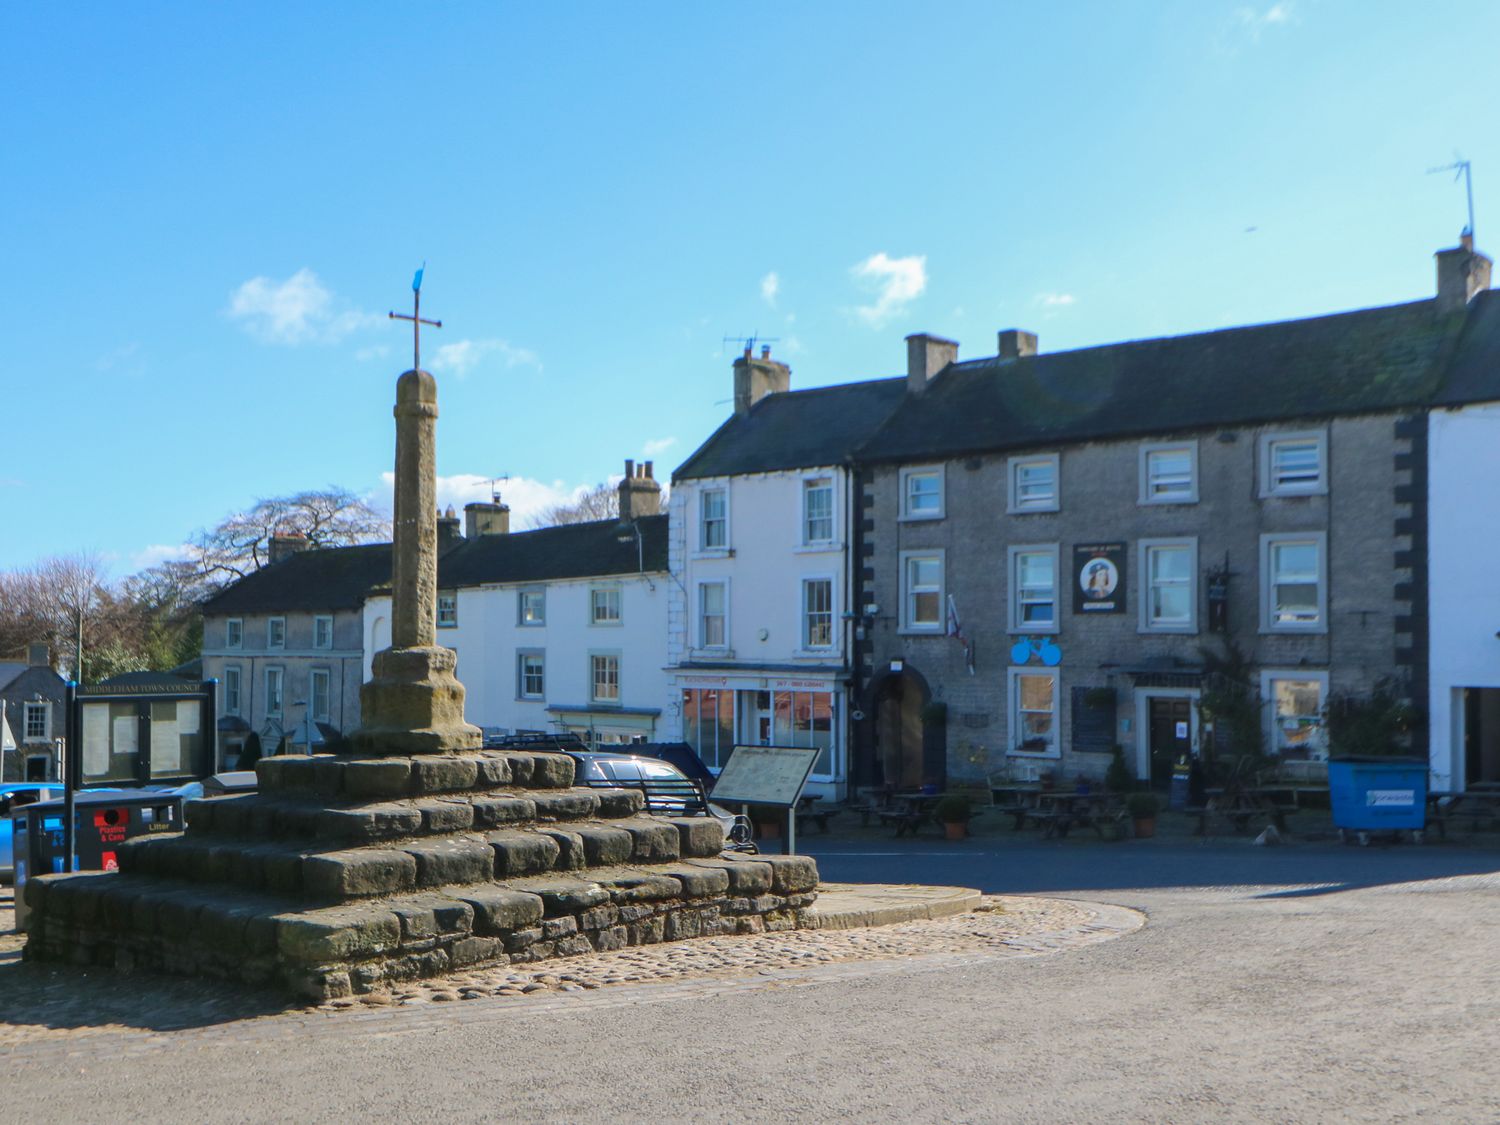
{"type": "Point", "coordinates": [765, 775]}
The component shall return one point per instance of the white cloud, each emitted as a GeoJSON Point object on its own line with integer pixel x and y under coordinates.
{"type": "Point", "coordinates": [525, 496]}
{"type": "Point", "coordinates": [657, 446]}
{"type": "Point", "coordinates": [1055, 300]}
{"type": "Point", "coordinates": [895, 282]}
{"type": "Point", "coordinates": [1256, 21]}
{"type": "Point", "coordinates": [158, 553]}
{"type": "Point", "coordinates": [299, 310]}
{"type": "Point", "coordinates": [463, 356]}
{"type": "Point", "coordinates": [770, 285]}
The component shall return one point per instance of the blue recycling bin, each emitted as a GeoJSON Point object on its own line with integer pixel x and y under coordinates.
{"type": "Point", "coordinates": [1378, 794]}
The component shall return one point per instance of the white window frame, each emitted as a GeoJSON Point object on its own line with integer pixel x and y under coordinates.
{"type": "Point", "coordinates": [1266, 450]}
{"type": "Point", "coordinates": [594, 696]}
{"type": "Point", "coordinates": [833, 617]}
{"type": "Point", "coordinates": [1013, 713]}
{"type": "Point", "coordinates": [234, 632]}
{"type": "Point", "coordinates": [521, 595]}
{"type": "Point", "coordinates": [1143, 567]}
{"type": "Point", "coordinates": [1015, 506]}
{"type": "Point", "coordinates": [809, 484]}
{"type": "Point", "coordinates": [33, 707]}
{"type": "Point", "coordinates": [906, 476]}
{"type": "Point", "coordinates": [907, 625]}
{"type": "Point", "coordinates": [272, 642]}
{"type": "Point", "coordinates": [1268, 542]}
{"type": "Point", "coordinates": [1013, 582]}
{"type": "Point", "coordinates": [1268, 678]}
{"type": "Point", "coordinates": [319, 621]}
{"type": "Point", "coordinates": [447, 599]}
{"type": "Point", "coordinates": [232, 703]}
{"type": "Point", "coordinates": [703, 521]}
{"type": "Point", "coordinates": [1152, 448]}
{"type": "Point", "coordinates": [279, 674]}
{"type": "Point", "coordinates": [523, 655]}
{"type": "Point", "coordinates": [609, 593]}
{"type": "Point", "coordinates": [312, 694]}
{"type": "Point", "coordinates": [700, 632]}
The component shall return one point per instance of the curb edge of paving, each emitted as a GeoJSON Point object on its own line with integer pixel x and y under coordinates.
{"type": "Point", "coordinates": [932, 903]}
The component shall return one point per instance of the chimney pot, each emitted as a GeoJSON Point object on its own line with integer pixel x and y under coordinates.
{"type": "Point", "coordinates": [1014, 343]}
{"type": "Point", "coordinates": [639, 494]}
{"type": "Point", "coordinates": [1462, 273]}
{"type": "Point", "coordinates": [926, 355]}
{"type": "Point", "coordinates": [646, 471]}
{"type": "Point", "coordinates": [765, 351]}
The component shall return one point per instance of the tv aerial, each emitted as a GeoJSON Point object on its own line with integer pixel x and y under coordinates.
{"type": "Point", "coordinates": [1461, 167]}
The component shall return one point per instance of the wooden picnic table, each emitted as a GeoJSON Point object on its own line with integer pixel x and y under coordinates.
{"type": "Point", "coordinates": [1242, 805]}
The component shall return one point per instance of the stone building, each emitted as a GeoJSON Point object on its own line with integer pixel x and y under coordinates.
{"type": "Point", "coordinates": [32, 717]}
{"type": "Point", "coordinates": [285, 644]}
{"type": "Point", "coordinates": [762, 526]}
{"type": "Point", "coordinates": [1063, 552]}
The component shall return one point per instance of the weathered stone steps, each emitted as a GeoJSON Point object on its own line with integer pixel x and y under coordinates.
{"type": "Point", "coordinates": [298, 818]}
{"type": "Point", "coordinates": [333, 874]}
{"type": "Point", "coordinates": [152, 922]}
{"type": "Point", "coordinates": [337, 775]}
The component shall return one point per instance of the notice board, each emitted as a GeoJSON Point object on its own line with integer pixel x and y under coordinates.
{"type": "Point", "coordinates": [765, 775]}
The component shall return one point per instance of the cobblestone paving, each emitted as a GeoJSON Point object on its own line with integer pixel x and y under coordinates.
{"type": "Point", "coordinates": [45, 1012]}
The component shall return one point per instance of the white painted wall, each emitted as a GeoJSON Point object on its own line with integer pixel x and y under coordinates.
{"type": "Point", "coordinates": [765, 565]}
{"type": "Point", "coordinates": [1463, 565]}
{"type": "Point", "coordinates": [488, 636]}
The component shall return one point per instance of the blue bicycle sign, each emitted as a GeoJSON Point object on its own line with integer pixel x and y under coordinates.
{"type": "Point", "coordinates": [1023, 650]}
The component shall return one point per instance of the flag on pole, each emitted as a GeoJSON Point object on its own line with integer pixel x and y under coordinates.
{"type": "Point", "coordinates": [956, 631]}
{"type": "Point", "coordinates": [416, 282]}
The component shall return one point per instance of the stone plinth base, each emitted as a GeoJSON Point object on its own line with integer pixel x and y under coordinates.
{"type": "Point", "coordinates": [344, 874]}
{"type": "Point", "coordinates": [413, 704]}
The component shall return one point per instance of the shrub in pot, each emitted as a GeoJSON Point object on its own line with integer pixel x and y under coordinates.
{"type": "Point", "coordinates": [1143, 808]}
{"type": "Point", "coordinates": [953, 813]}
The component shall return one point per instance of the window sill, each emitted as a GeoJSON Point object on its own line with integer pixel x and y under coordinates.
{"type": "Point", "coordinates": [1052, 511]}
{"type": "Point", "coordinates": [921, 519]}
{"type": "Point", "coordinates": [920, 631]}
{"type": "Point", "coordinates": [1293, 630]}
{"type": "Point", "coordinates": [705, 553]}
{"type": "Point", "coordinates": [814, 653]}
{"type": "Point", "coordinates": [1034, 630]}
{"type": "Point", "coordinates": [817, 548]}
{"type": "Point", "coordinates": [531, 625]}
{"type": "Point", "coordinates": [1052, 754]}
{"type": "Point", "coordinates": [606, 624]}
{"type": "Point", "coordinates": [1168, 630]}
{"type": "Point", "coordinates": [1166, 502]}
{"type": "Point", "coordinates": [1293, 493]}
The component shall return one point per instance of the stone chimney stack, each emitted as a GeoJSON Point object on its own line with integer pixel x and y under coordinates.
{"type": "Point", "coordinates": [1014, 343]}
{"type": "Point", "coordinates": [285, 546]}
{"type": "Point", "coordinates": [37, 655]}
{"type": "Point", "coordinates": [486, 519]}
{"type": "Point", "coordinates": [447, 529]}
{"type": "Point", "coordinates": [640, 495]}
{"type": "Point", "coordinates": [1461, 273]}
{"type": "Point", "coordinates": [756, 377]}
{"type": "Point", "coordinates": [925, 356]}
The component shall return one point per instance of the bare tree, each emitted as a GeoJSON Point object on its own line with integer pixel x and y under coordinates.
{"type": "Point", "coordinates": [63, 601]}
{"type": "Point", "coordinates": [602, 502]}
{"type": "Point", "coordinates": [240, 544]}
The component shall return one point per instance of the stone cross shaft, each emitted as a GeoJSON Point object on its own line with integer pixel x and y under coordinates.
{"type": "Point", "coordinates": [414, 568]}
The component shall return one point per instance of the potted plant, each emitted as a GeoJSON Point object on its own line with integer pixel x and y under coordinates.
{"type": "Point", "coordinates": [1143, 808]}
{"type": "Point", "coordinates": [953, 812]}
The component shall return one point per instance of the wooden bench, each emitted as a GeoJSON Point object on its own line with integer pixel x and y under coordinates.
{"type": "Point", "coordinates": [818, 816]}
{"type": "Point", "coordinates": [904, 820]}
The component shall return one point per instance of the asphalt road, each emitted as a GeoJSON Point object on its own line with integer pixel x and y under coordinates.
{"type": "Point", "coordinates": [1307, 983]}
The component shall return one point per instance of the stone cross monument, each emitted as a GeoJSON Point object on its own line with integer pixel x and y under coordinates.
{"type": "Point", "coordinates": [414, 704]}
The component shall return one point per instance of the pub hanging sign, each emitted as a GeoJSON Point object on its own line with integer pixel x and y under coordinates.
{"type": "Point", "coordinates": [1099, 573]}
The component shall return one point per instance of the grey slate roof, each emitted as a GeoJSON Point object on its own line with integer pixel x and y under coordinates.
{"type": "Point", "coordinates": [796, 430]}
{"type": "Point", "coordinates": [574, 550]}
{"type": "Point", "coordinates": [1349, 363]}
{"type": "Point", "coordinates": [343, 577]}
{"type": "Point", "coordinates": [312, 581]}
{"type": "Point", "coordinates": [1474, 371]}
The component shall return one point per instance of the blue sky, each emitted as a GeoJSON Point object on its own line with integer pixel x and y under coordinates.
{"type": "Point", "coordinates": [209, 209]}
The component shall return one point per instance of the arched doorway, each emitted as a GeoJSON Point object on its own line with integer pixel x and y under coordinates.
{"type": "Point", "coordinates": [901, 749]}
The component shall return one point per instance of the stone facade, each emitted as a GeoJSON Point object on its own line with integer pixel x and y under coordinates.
{"type": "Point", "coordinates": [346, 874]}
{"type": "Point", "coordinates": [1363, 519]}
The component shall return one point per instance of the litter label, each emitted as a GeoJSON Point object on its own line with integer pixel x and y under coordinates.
{"type": "Point", "coordinates": [1384, 798]}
